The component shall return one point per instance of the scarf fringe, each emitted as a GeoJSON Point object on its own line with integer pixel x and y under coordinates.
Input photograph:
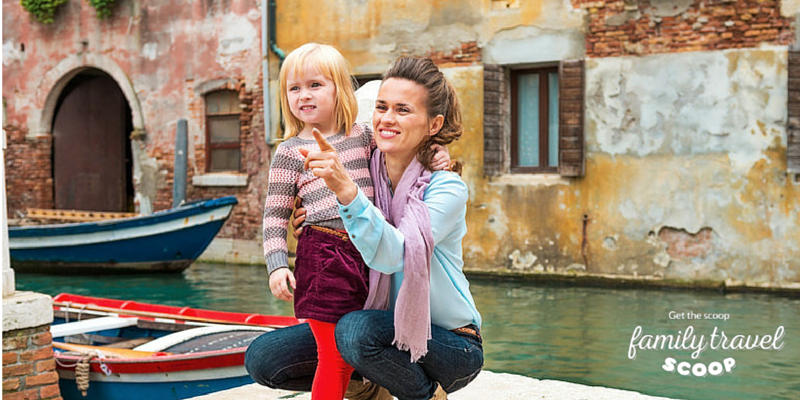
{"type": "Point", "coordinates": [416, 352]}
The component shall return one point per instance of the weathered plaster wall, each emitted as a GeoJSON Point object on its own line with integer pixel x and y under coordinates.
{"type": "Point", "coordinates": [159, 52]}
{"type": "Point", "coordinates": [686, 167]}
{"type": "Point", "coordinates": [685, 159]}
{"type": "Point", "coordinates": [685, 178]}
{"type": "Point", "coordinates": [372, 34]}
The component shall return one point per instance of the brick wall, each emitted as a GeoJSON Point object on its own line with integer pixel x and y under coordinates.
{"type": "Point", "coordinates": [465, 55]}
{"type": "Point", "coordinates": [29, 179]}
{"type": "Point", "coordinates": [245, 220]}
{"type": "Point", "coordinates": [626, 27]}
{"type": "Point", "coordinates": [29, 368]}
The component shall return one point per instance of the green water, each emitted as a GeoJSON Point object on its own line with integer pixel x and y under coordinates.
{"type": "Point", "coordinates": [572, 334]}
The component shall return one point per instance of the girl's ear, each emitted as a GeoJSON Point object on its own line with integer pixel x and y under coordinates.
{"type": "Point", "coordinates": [436, 124]}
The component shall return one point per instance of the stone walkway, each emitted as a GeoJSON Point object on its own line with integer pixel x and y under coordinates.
{"type": "Point", "coordinates": [487, 386]}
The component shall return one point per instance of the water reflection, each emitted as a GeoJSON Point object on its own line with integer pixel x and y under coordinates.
{"type": "Point", "coordinates": [573, 334]}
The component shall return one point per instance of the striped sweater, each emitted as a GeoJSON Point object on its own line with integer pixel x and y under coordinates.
{"type": "Point", "coordinates": [288, 179]}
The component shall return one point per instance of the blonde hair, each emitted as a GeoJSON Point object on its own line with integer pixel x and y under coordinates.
{"type": "Point", "coordinates": [329, 62]}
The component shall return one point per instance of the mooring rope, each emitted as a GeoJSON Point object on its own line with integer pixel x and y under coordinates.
{"type": "Point", "coordinates": [82, 372]}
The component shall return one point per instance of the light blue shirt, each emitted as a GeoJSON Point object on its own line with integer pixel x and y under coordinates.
{"type": "Point", "coordinates": [381, 247]}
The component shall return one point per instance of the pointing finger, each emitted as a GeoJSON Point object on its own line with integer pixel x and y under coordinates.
{"type": "Point", "coordinates": [323, 144]}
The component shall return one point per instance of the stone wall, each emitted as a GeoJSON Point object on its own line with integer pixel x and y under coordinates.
{"type": "Point", "coordinates": [629, 27]}
{"type": "Point", "coordinates": [29, 367]}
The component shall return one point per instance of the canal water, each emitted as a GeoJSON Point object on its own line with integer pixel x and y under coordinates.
{"type": "Point", "coordinates": [580, 335]}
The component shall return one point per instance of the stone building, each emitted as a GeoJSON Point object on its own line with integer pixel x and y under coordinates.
{"type": "Point", "coordinates": [645, 140]}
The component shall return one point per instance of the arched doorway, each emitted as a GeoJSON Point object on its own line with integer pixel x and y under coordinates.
{"type": "Point", "coordinates": [92, 161]}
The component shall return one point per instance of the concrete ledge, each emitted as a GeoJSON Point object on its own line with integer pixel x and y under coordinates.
{"type": "Point", "coordinates": [220, 179]}
{"type": "Point", "coordinates": [488, 385]}
{"type": "Point", "coordinates": [232, 251]}
{"type": "Point", "coordinates": [632, 282]}
{"type": "Point", "coordinates": [26, 310]}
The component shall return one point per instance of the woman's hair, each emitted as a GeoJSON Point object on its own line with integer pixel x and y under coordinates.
{"type": "Point", "coordinates": [329, 62]}
{"type": "Point", "coordinates": [442, 100]}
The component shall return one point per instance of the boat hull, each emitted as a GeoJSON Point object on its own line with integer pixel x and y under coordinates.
{"type": "Point", "coordinates": [149, 390]}
{"type": "Point", "coordinates": [162, 242]}
{"type": "Point", "coordinates": [162, 377]}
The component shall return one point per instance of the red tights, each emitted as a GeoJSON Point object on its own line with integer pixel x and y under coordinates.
{"type": "Point", "coordinates": [333, 373]}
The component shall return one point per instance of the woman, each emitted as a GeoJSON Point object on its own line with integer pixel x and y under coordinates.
{"type": "Point", "coordinates": [419, 333]}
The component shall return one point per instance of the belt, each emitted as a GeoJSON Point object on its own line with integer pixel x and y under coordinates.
{"type": "Point", "coordinates": [340, 234]}
{"type": "Point", "coordinates": [469, 330]}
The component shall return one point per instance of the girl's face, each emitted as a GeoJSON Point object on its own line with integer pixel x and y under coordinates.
{"type": "Point", "coordinates": [400, 119]}
{"type": "Point", "coordinates": [311, 98]}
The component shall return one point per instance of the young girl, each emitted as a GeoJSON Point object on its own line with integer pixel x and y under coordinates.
{"type": "Point", "coordinates": [332, 279]}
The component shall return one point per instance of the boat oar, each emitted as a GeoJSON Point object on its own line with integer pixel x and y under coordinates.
{"type": "Point", "coordinates": [152, 314]}
{"type": "Point", "coordinates": [108, 351]}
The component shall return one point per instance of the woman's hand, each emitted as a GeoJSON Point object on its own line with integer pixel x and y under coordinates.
{"type": "Point", "coordinates": [441, 160]}
{"type": "Point", "coordinates": [325, 164]}
{"type": "Point", "coordinates": [299, 217]}
{"type": "Point", "coordinates": [279, 282]}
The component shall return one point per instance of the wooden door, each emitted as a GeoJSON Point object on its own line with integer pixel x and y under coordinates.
{"type": "Point", "coordinates": [89, 138]}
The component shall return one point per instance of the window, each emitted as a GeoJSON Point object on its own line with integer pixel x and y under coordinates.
{"type": "Point", "coordinates": [533, 119]}
{"type": "Point", "coordinates": [223, 148]}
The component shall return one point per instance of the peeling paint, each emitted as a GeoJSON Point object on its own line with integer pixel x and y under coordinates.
{"type": "Point", "coordinates": [688, 104]}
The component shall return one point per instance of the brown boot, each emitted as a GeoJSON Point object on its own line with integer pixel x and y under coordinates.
{"type": "Point", "coordinates": [439, 394]}
{"type": "Point", "coordinates": [358, 390]}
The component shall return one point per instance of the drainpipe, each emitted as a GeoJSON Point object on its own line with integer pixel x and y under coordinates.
{"type": "Point", "coordinates": [9, 286]}
{"type": "Point", "coordinates": [267, 43]}
{"type": "Point", "coordinates": [272, 35]}
{"type": "Point", "coordinates": [179, 171]}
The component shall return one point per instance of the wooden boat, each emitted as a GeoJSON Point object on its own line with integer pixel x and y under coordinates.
{"type": "Point", "coordinates": [130, 350]}
{"type": "Point", "coordinates": [165, 241]}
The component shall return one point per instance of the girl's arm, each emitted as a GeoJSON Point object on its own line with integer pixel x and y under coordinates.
{"type": "Point", "coordinates": [284, 172]}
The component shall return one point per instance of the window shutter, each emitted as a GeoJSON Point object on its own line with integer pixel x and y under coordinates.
{"type": "Point", "coordinates": [570, 105]}
{"type": "Point", "coordinates": [793, 129]}
{"type": "Point", "coordinates": [493, 138]}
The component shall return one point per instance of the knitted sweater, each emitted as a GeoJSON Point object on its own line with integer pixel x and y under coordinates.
{"type": "Point", "coordinates": [288, 179]}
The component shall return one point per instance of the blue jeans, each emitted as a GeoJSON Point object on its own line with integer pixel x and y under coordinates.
{"type": "Point", "coordinates": [287, 358]}
{"type": "Point", "coordinates": [284, 358]}
{"type": "Point", "coordinates": [365, 340]}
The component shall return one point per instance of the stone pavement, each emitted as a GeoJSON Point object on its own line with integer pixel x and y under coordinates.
{"type": "Point", "coordinates": [487, 386]}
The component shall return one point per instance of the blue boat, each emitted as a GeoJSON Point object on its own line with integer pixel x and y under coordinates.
{"type": "Point", "coordinates": [165, 241]}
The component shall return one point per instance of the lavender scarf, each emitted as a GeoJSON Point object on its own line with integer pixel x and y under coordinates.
{"type": "Point", "coordinates": [409, 214]}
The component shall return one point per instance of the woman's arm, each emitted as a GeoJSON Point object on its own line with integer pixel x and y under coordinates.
{"type": "Point", "coordinates": [381, 244]}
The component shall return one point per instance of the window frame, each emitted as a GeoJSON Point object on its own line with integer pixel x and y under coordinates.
{"type": "Point", "coordinates": [544, 120]}
{"type": "Point", "coordinates": [210, 146]}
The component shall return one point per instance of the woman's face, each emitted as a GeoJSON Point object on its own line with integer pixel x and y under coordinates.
{"type": "Point", "coordinates": [400, 119]}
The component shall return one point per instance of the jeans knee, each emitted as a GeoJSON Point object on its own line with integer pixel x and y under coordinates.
{"type": "Point", "coordinates": [359, 332]}
{"type": "Point", "coordinates": [254, 364]}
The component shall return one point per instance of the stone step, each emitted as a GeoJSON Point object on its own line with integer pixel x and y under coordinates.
{"type": "Point", "coordinates": [488, 385]}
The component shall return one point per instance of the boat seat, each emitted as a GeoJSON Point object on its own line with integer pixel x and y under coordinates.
{"type": "Point", "coordinates": [173, 339]}
{"type": "Point", "coordinates": [91, 325]}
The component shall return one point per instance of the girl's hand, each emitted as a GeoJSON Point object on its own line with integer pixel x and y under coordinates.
{"type": "Point", "coordinates": [441, 160]}
{"type": "Point", "coordinates": [325, 164]}
{"type": "Point", "coordinates": [279, 282]}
